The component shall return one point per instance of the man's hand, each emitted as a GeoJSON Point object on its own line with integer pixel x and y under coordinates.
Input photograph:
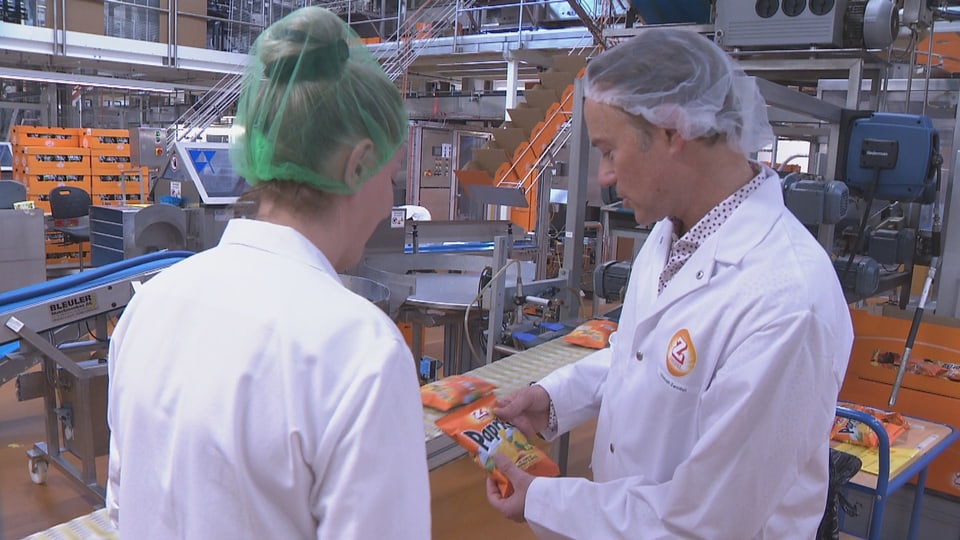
{"type": "Point", "coordinates": [512, 506]}
{"type": "Point", "coordinates": [527, 408]}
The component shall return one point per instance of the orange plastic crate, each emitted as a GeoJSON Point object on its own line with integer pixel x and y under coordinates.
{"type": "Point", "coordinates": [102, 163]}
{"type": "Point", "coordinates": [109, 184]}
{"type": "Point", "coordinates": [505, 173]}
{"type": "Point", "coordinates": [105, 138]}
{"type": "Point", "coordinates": [43, 160]}
{"type": "Point", "coordinates": [49, 137]}
{"type": "Point", "coordinates": [106, 199]}
{"type": "Point", "coordinates": [40, 185]}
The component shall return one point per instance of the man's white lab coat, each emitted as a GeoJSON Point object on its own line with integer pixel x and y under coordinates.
{"type": "Point", "coordinates": [253, 396]}
{"type": "Point", "coordinates": [716, 398]}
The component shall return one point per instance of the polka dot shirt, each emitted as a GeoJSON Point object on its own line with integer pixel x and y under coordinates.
{"type": "Point", "coordinates": [683, 248]}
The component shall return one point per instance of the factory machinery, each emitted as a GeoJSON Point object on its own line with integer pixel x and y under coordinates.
{"type": "Point", "coordinates": [432, 269]}
{"type": "Point", "coordinates": [198, 191]}
{"type": "Point", "coordinates": [868, 219]}
{"type": "Point", "coordinates": [63, 325]}
{"type": "Point", "coordinates": [481, 281]}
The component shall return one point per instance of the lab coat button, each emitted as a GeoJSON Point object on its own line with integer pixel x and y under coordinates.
{"type": "Point", "coordinates": [639, 356]}
{"type": "Point", "coordinates": [700, 274]}
{"type": "Point", "coordinates": [611, 448]}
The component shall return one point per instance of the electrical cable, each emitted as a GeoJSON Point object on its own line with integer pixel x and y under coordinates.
{"type": "Point", "coordinates": [479, 296]}
{"type": "Point", "coordinates": [908, 50]}
{"type": "Point", "coordinates": [871, 189]}
{"type": "Point", "coordinates": [92, 333]}
{"type": "Point", "coordinates": [111, 321]}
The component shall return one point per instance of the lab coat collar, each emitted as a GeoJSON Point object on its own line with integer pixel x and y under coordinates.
{"type": "Point", "coordinates": [742, 231]}
{"type": "Point", "coordinates": [277, 239]}
{"type": "Point", "coordinates": [751, 222]}
{"type": "Point", "coordinates": [700, 267]}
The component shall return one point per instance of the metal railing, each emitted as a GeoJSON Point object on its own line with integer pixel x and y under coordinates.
{"type": "Point", "coordinates": [414, 32]}
{"type": "Point", "coordinates": [559, 139]}
{"type": "Point", "coordinates": [555, 144]}
{"type": "Point", "coordinates": [209, 110]}
{"type": "Point", "coordinates": [417, 30]}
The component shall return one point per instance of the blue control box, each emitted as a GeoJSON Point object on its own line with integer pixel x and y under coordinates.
{"type": "Point", "coordinates": [899, 150]}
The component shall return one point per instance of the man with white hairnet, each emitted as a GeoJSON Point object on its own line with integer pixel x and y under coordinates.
{"type": "Point", "coordinates": [716, 397]}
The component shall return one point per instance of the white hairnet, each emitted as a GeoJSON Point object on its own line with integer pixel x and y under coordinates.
{"type": "Point", "coordinates": [677, 79]}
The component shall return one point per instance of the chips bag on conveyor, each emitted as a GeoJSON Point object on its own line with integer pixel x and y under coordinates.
{"type": "Point", "coordinates": [477, 429]}
{"type": "Point", "coordinates": [594, 333]}
{"type": "Point", "coordinates": [454, 390]}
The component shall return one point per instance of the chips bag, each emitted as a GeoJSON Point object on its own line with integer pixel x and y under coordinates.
{"type": "Point", "coordinates": [477, 429]}
{"type": "Point", "coordinates": [851, 431]}
{"type": "Point", "coordinates": [454, 390]}
{"type": "Point", "coordinates": [594, 333]}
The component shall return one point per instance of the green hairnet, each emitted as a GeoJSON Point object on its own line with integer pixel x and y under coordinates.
{"type": "Point", "coordinates": [312, 88]}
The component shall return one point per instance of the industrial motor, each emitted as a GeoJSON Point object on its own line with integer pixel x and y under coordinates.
{"type": "Point", "coordinates": [814, 202]}
{"type": "Point", "coordinates": [857, 24]}
{"type": "Point", "coordinates": [610, 280]}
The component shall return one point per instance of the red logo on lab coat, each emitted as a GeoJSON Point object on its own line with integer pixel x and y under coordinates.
{"type": "Point", "coordinates": [681, 355]}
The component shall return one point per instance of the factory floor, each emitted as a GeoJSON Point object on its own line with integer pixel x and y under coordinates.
{"type": "Point", "coordinates": [459, 506]}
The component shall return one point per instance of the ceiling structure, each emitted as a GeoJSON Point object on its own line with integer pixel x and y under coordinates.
{"type": "Point", "coordinates": [28, 53]}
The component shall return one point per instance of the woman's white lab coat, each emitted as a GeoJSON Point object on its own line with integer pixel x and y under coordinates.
{"type": "Point", "coordinates": [716, 399]}
{"type": "Point", "coordinates": [253, 396]}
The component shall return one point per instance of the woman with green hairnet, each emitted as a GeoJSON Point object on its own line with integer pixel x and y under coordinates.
{"type": "Point", "coordinates": [252, 395]}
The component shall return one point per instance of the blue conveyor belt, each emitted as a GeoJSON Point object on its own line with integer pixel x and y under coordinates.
{"type": "Point", "coordinates": [8, 348]}
{"type": "Point", "coordinates": [79, 282]}
{"type": "Point", "coordinates": [462, 247]}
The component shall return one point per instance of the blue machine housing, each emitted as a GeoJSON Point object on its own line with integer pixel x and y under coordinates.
{"type": "Point", "coordinates": [913, 176]}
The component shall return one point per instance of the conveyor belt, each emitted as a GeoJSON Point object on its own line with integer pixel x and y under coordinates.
{"type": "Point", "coordinates": [464, 247]}
{"type": "Point", "coordinates": [508, 374]}
{"type": "Point", "coordinates": [44, 306]}
{"type": "Point", "coordinates": [95, 525]}
{"type": "Point", "coordinates": [76, 283]}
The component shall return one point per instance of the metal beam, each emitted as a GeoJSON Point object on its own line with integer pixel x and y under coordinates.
{"type": "Point", "coordinates": [576, 199]}
{"type": "Point", "coordinates": [527, 56]}
{"type": "Point", "coordinates": [790, 100]}
{"type": "Point", "coordinates": [92, 80]}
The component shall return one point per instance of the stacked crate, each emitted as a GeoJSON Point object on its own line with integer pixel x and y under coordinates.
{"type": "Point", "coordinates": [113, 173]}
{"type": "Point", "coordinates": [95, 160]}
{"type": "Point", "coordinates": [48, 157]}
{"type": "Point", "coordinates": [45, 158]}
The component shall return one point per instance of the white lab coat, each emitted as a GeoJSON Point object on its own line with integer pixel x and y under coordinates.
{"type": "Point", "coordinates": [729, 440]}
{"type": "Point", "coordinates": [253, 396]}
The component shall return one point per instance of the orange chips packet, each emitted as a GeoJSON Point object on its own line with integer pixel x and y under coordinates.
{"type": "Point", "coordinates": [594, 333]}
{"type": "Point", "coordinates": [454, 390]}
{"type": "Point", "coordinates": [851, 431]}
{"type": "Point", "coordinates": [477, 429]}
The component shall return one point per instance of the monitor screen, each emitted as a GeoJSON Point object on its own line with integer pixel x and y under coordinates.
{"type": "Point", "coordinates": [215, 172]}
